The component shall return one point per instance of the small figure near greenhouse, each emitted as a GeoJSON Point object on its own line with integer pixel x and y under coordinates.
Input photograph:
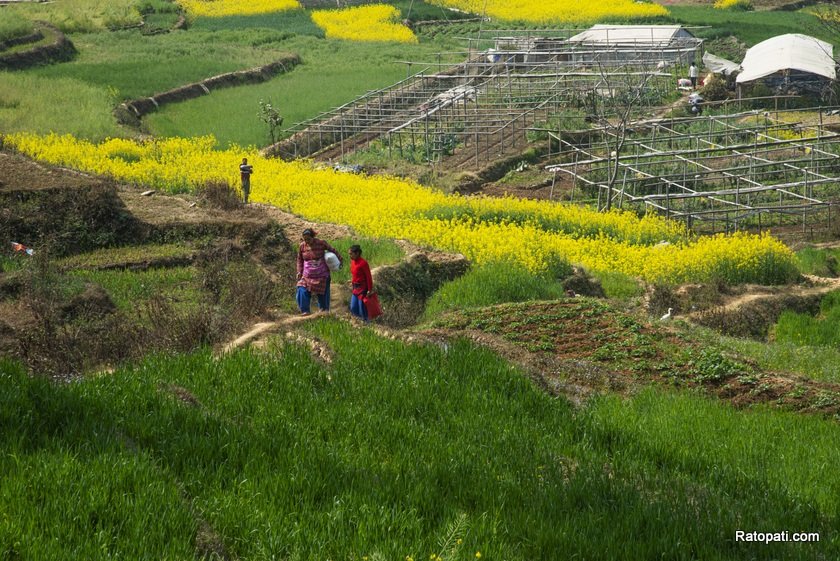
{"type": "Point", "coordinates": [695, 102]}
{"type": "Point", "coordinates": [692, 75]}
{"type": "Point", "coordinates": [245, 171]}
{"type": "Point", "coordinates": [313, 273]}
{"type": "Point", "coordinates": [361, 283]}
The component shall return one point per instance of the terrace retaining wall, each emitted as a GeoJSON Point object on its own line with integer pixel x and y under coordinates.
{"type": "Point", "coordinates": [60, 49]}
{"type": "Point", "coordinates": [130, 112]}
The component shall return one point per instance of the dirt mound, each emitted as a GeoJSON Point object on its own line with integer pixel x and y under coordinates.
{"type": "Point", "coordinates": [584, 285]}
{"type": "Point", "coordinates": [56, 327]}
{"type": "Point", "coordinates": [92, 303]}
{"type": "Point", "coordinates": [67, 212]}
{"type": "Point", "coordinates": [750, 310]}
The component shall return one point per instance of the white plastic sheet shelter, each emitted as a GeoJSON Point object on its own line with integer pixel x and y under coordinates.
{"type": "Point", "coordinates": [720, 65]}
{"type": "Point", "coordinates": [632, 34]}
{"type": "Point", "coordinates": [669, 44]}
{"type": "Point", "coordinates": [793, 51]}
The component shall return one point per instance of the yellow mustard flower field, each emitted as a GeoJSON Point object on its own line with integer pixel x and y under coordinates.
{"type": "Point", "coordinates": [571, 11]}
{"type": "Point", "coordinates": [218, 8]}
{"type": "Point", "coordinates": [537, 234]}
{"type": "Point", "coordinates": [374, 22]}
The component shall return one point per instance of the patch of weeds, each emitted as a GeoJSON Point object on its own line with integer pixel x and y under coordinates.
{"type": "Point", "coordinates": [606, 352]}
{"type": "Point", "coordinates": [709, 365]}
{"type": "Point", "coordinates": [826, 399]}
{"type": "Point", "coordinates": [761, 388]}
{"type": "Point", "coordinates": [798, 392]}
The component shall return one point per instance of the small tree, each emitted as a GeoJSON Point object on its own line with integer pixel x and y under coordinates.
{"type": "Point", "coordinates": [271, 117]}
{"type": "Point", "coordinates": [612, 102]}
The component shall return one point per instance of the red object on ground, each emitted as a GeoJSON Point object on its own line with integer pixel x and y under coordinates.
{"type": "Point", "coordinates": [371, 302]}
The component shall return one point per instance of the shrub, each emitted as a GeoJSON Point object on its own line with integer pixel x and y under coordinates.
{"type": "Point", "coordinates": [219, 194]}
{"type": "Point", "coordinates": [714, 89]}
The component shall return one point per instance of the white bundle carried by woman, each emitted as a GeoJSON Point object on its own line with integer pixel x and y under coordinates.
{"type": "Point", "coordinates": [332, 260]}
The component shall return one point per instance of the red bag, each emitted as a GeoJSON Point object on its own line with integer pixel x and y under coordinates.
{"type": "Point", "coordinates": [371, 302]}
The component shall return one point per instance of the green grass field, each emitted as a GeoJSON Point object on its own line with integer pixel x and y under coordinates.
{"type": "Point", "coordinates": [14, 25]}
{"type": "Point", "coordinates": [83, 16]}
{"type": "Point", "coordinates": [128, 289]}
{"type": "Point", "coordinates": [396, 451]}
{"type": "Point", "coordinates": [750, 27]}
{"type": "Point", "coordinates": [115, 66]}
{"type": "Point", "coordinates": [494, 283]}
{"type": "Point", "coordinates": [391, 450]}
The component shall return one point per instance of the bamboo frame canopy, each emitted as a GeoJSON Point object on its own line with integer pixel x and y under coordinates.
{"type": "Point", "coordinates": [792, 51]}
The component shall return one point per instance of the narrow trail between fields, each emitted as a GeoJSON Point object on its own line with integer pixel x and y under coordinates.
{"type": "Point", "coordinates": [815, 285]}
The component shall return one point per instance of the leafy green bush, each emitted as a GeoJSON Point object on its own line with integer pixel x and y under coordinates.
{"type": "Point", "coordinates": [714, 89]}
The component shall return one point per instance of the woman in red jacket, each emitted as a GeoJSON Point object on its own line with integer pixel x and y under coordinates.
{"type": "Point", "coordinates": [361, 282]}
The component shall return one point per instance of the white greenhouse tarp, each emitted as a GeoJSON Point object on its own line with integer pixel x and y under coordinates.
{"type": "Point", "coordinates": [720, 65]}
{"type": "Point", "coordinates": [793, 51]}
{"type": "Point", "coordinates": [627, 34]}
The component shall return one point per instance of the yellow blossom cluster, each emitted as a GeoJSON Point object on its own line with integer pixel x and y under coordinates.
{"type": "Point", "coordinates": [218, 8]}
{"type": "Point", "coordinates": [573, 11]}
{"type": "Point", "coordinates": [374, 22]}
{"type": "Point", "coordinates": [537, 234]}
{"type": "Point", "coordinates": [733, 4]}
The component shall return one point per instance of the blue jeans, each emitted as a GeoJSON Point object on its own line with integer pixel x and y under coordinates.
{"type": "Point", "coordinates": [304, 299]}
{"type": "Point", "coordinates": [357, 307]}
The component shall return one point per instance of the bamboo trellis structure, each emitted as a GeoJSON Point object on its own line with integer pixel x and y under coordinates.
{"type": "Point", "coordinates": [483, 107]}
{"type": "Point", "coordinates": [729, 171]}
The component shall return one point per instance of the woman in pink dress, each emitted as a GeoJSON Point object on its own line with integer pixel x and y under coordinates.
{"type": "Point", "coordinates": [313, 275]}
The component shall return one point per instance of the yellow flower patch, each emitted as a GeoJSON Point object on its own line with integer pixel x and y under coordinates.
{"type": "Point", "coordinates": [536, 234]}
{"type": "Point", "coordinates": [542, 11]}
{"type": "Point", "coordinates": [733, 4]}
{"type": "Point", "coordinates": [375, 22]}
{"type": "Point", "coordinates": [218, 8]}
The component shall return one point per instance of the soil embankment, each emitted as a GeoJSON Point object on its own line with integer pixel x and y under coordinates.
{"type": "Point", "coordinates": [45, 46]}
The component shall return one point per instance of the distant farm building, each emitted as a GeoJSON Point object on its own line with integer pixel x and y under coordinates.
{"type": "Point", "coordinates": [792, 63]}
{"type": "Point", "coordinates": [647, 44]}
